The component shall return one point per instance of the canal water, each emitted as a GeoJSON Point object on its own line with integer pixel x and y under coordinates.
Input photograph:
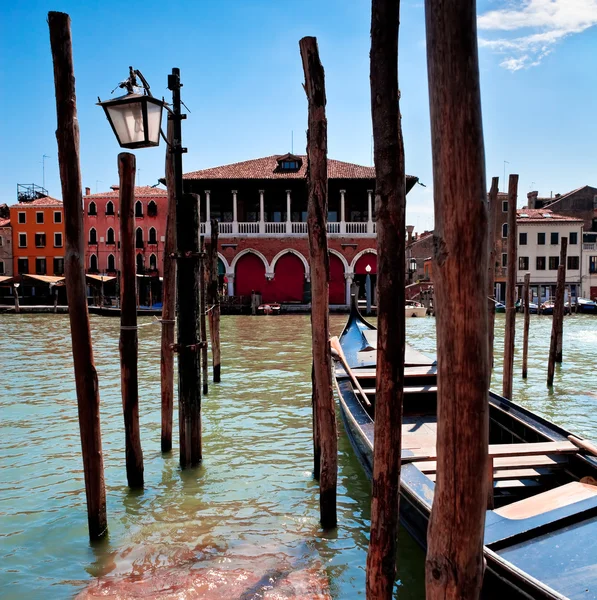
{"type": "Point", "coordinates": [252, 507]}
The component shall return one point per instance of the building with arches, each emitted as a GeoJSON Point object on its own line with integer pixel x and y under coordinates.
{"type": "Point", "coordinates": [101, 220]}
{"type": "Point", "coordinates": [261, 209]}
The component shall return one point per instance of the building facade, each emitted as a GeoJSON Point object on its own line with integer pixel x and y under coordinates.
{"type": "Point", "coordinates": [38, 237]}
{"type": "Point", "coordinates": [540, 233]}
{"type": "Point", "coordinates": [101, 221]}
{"type": "Point", "coordinates": [589, 266]}
{"type": "Point", "coordinates": [580, 203]}
{"type": "Point", "coordinates": [261, 209]}
{"type": "Point", "coordinates": [6, 258]}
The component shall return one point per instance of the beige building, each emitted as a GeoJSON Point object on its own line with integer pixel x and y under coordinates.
{"type": "Point", "coordinates": [589, 266]}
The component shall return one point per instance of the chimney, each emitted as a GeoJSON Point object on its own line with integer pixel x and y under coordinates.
{"type": "Point", "coordinates": [87, 191]}
{"type": "Point", "coordinates": [409, 229]}
{"type": "Point", "coordinates": [115, 188]}
{"type": "Point", "coordinates": [532, 198]}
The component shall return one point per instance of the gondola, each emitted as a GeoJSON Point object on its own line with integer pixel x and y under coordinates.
{"type": "Point", "coordinates": [541, 522]}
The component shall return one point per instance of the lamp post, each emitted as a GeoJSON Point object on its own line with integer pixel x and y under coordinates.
{"type": "Point", "coordinates": [136, 122]}
{"type": "Point", "coordinates": [412, 268]}
{"type": "Point", "coordinates": [368, 288]}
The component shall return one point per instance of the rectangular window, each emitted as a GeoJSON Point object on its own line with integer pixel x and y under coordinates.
{"type": "Point", "coordinates": [57, 240]}
{"type": "Point", "coordinates": [554, 238]}
{"type": "Point", "coordinates": [505, 206]}
{"type": "Point", "coordinates": [541, 239]}
{"type": "Point", "coordinates": [554, 263]}
{"type": "Point", "coordinates": [522, 239]}
{"type": "Point", "coordinates": [57, 216]}
{"type": "Point", "coordinates": [23, 266]}
{"type": "Point", "coordinates": [573, 263]}
{"type": "Point", "coordinates": [40, 240]}
{"type": "Point", "coordinates": [540, 264]}
{"type": "Point", "coordinates": [59, 266]}
{"type": "Point", "coordinates": [22, 218]}
{"type": "Point", "coordinates": [573, 239]}
{"type": "Point", "coordinates": [523, 263]}
{"type": "Point", "coordinates": [504, 260]}
{"type": "Point", "coordinates": [40, 266]}
{"type": "Point", "coordinates": [592, 264]}
{"type": "Point", "coordinates": [22, 240]}
{"type": "Point", "coordinates": [39, 217]}
{"type": "Point", "coordinates": [2, 271]}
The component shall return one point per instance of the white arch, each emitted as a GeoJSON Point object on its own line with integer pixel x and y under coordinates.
{"type": "Point", "coordinates": [141, 230]}
{"type": "Point", "coordinates": [361, 253]}
{"type": "Point", "coordinates": [110, 205]}
{"type": "Point", "coordinates": [341, 257]}
{"type": "Point", "coordinates": [108, 235]}
{"type": "Point", "coordinates": [93, 258]}
{"type": "Point", "coordinates": [249, 251]}
{"type": "Point", "coordinates": [89, 211]}
{"type": "Point", "coordinates": [113, 262]}
{"type": "Point", "coordinates": [93, 238]}
{"type": "Point", "coordinates": [137, 204]}
{"type": "Point", "coordinates": [153, 260]}
{"type": "Point", "coordinates": [290, 251]}
{"type": "Point", "coordinates": [155, 236]}
{"type": "Point", "coordinates": [224, 262]}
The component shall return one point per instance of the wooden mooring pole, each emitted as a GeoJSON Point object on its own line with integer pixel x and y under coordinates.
{"type": "Point", "coordinates": [390, 201]}
{"type": "Point", "coordinates": [454, 565]}
{"type": "Point", "coordinates": [214, 301]}
{"type": "Point", "coordinates": [129, 342]}
{"type": "Point", "coordinates": [15, 289]}
{"type": "Point", "coordinates": [493, 209]}
{"type": "Point", "coordinates": [527, 322]}
{"type": "Point", "coordinates": [557, 325]}
{"type": "Point", "coordinates": [510, 332]}
{"type": "Point", "coordinates": [203, 316]}
{"type": "Point", "coordinates": [67, 136]}
{"type": "Point", "coordinates": [317, 186]}
{"type": "Point", "coordinates": [168, 303]}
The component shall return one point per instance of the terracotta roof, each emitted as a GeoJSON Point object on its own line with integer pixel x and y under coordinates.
{"type": "Point", "coordinates": [542, 215]}
{"type": "Point", "coordinates": [141, 191]}
{"type": "Point", "coordinates": [44, 202]}
{"type": "Point", "coordinates": [4, 222]}
{"type": "Point", "coordinates": [267, 168]}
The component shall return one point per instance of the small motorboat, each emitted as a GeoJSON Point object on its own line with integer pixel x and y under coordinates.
{"type": "Point", "coordinates": [584, 305]}
{"type": "Point", "coordinates": [273, 308]}
{"type": "Point", "coordinates": [541, 521]}
{"type": "Point", "coordinates": [415, 309]}
{"type": "Point", "coordinates": [547, 308]}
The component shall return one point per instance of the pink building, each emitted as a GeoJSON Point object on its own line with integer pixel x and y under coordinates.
{"type": "Point", "coordinates": [102, 230]}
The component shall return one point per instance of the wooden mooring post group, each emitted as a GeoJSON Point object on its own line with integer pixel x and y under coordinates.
{"type": "Point", "coordinates": [183, 277]}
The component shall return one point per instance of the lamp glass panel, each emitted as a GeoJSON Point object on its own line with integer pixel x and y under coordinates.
{"type": "Point", "coordinates": [128, 122]}
{"type": "Point", "coordinates": [154, 122]}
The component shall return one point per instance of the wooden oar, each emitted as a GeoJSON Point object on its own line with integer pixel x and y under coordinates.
{"type": "Point", "coordinates": [583, 444]}
{"type": "Point", "coordinates": [338, 353]}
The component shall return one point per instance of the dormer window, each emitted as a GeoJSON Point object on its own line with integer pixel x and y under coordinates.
{"type": "Point", "coordinates": [289, 162]}
{"type": "Point", "coordinates": [289, 165]}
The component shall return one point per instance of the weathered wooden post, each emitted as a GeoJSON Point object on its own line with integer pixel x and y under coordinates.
{"type": "Point", "coordinates": [55, 294]}
{"type": "Point", "coordinates": [67, 135]}
{"type": "Point", "coordinates": [15, 288]}
{"type": "Point", "coordinates": [510, 332]}
{"type": "Point", "coordinates": [454, 566]}
{"type": "Point", "coordinates": [203, 317]}
{"type": "Point", "coordinates": [527, 322]}
{"type": "Point", "coordinates": [557, 324]}
{"type": "Point", "coordinates": [493, 208]}
{"type": "Point", "coordinates": [390, 201]}
{"type": "Point", "coordinates": [214, 300]}
{"type": "Point", "coordinates": [129, 344]}
{"type": "Point", "coordinates": [317, 185]}
{"type": "Point", "coordinates": [168, 303]}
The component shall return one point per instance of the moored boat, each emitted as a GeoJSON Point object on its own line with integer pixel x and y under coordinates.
{"type": "Point", "coordinates": [584, 305]}
{"type": "Point", "coordinates": [542, 520]}
{"type": "Point", "coordinates": [414, 309]}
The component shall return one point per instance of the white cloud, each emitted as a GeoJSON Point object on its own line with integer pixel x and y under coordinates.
{"type": "Point", "coordinates": [546, 23]}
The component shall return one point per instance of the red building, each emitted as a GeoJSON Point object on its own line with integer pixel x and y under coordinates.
{"type": "Point", "coordinates": [261, 206]}
{"type": "Point", "coordinates": [102, 230]}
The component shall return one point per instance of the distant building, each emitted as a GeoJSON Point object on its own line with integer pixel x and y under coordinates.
{"type": "Point", "coordinates": [261, 206]}
{"type": "Point", "coordinates": [38, 237]}
{"type": "Point", "coordinates": [6, 267]}
{"type": "Point", "coordinates": [580, 203]}
{"type": "Point", "coordinates": [540, 233]}
{"type": "Point", "coordinates": [589, 266]}
{"type": "Point", "coordinates": [419, 247]}
{"type": "Point", "coordinates": [101, 223]}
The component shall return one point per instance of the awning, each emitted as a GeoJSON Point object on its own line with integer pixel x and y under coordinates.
{"type": "Point", "coordinates": [101, 278]}
{"type": "Point", "coordinates": [47, 279]}
{"type": "Point", "coordinates": [4, 280]}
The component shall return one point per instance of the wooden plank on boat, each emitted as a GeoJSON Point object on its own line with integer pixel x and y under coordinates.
{"type": "Point", "coordinates": [369, 373]}
{"type": "Point", "coordinates": [509, 450]}
{"type": "Point", "coordinates": [500, 474]}
{"type": "Point", "coordinates": [552, 499]}
{"type": "Point", "coordinates": [415, 389]}
{"type": "Point", "coordinates": [412, 357]}
{"type": "Point", "coordinates": [509, 462]}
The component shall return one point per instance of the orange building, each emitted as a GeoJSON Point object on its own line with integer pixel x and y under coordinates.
{"type": "Point", "coordinates": [38, 237]}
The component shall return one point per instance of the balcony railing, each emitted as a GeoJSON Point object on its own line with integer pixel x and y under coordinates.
{"type": "Point", "coordinates": [245, 228]}
{"type": "Point", "coordinates": [356, 227]}
{"type": "Point", "coordinates": [295, 228]}
{"type": "Point", "coordinates": [299, 228]}
{"type": "Point", "coordinates": [333, 227]}
{"type": "Point", "coordinates": [275, 228]}
{"type": "Point", "coordinates": [589, 246]}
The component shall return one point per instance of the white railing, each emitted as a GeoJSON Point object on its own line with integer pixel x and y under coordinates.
{"type": "Point", "coordinates": [588, 246]}
{"type": "Point", "coordinates": [333, 227]}
{"type": "Point", "coordinates": [375, 227]}
{"type": "Point", "coordinates": [225, 227]}
{"type": "Point", "coordinates": [299, 228]}
{"type": "Point", "coordinates": [202, 228]}
{"type": "Point", "coordinates": [248, 227]}
{"type": "Point", "coordinates": [356, 227]}
{"type": "Point", "coordinates": [275, 228]}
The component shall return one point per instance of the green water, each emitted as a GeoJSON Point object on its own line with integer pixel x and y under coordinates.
{"type": "Point", "coordinates": [253, 496]}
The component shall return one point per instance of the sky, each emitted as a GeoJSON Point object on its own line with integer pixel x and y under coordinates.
{"type": "Point", "coordinates": [242, 75]}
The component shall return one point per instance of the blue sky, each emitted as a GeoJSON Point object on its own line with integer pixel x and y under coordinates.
{"type": "Point", "coordinates": [242, 77]}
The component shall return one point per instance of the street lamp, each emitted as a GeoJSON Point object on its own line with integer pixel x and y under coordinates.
{"type": "Point", "coordinates": [368, 288]}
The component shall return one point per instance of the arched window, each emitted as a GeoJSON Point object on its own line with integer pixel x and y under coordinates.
{"type": "Point", "coordinates": [140, 263]}
{"type": "Point", "coordinates": [92, 209]}
{"type": "Point", "coordinates": [111, 263]}
{"type": "Point", "coordinates": [152, 209]}
{"type": "Point", "coordinates": [93, 264]}
{"type": "Point", "coordinates": [153, 262]}
{"type": "Point", "coordinates": [139, 238]}
{"type": "Point", "coordinates": [138, 209]}
{"type": "Point", "coordinates": [92, 236]}
{"type": "Point", "coordinates": [153, 238]}
{"type": "Point", "coordinates": [110, 208]}
{"type": "Point", "coordinates": [110, 236]}
{"type": "Point", "coordinates": [505, 230]}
